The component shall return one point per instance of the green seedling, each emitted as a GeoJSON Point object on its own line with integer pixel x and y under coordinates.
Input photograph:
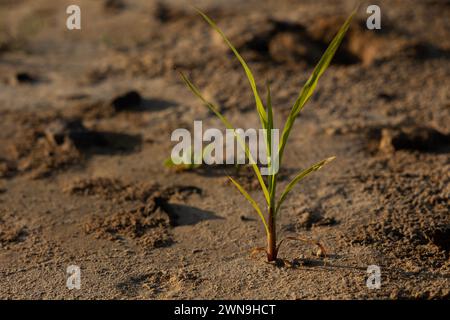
{"type": "Point", "coordinates": [189, 162]}
{"type": "Point", "coordinates": [265, 113]}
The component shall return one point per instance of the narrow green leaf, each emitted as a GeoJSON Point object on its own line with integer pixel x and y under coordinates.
{"type": "Point", "coordinates": [299, 177]}
{"type": "Point", "coordinates": [252, 202]}
{"type": "Point", "coordinates": [210, 106]}
{"type": "Point", "coordinates": [228, 125]}
{"type": "Point", "coordinates": [269, 119]}
{"type": "Point", "coordinates": [271, 178]}
{"type": "Point", "coordinates": [311, 84]}
{"type": "Point", "coordinates": [251, 79]}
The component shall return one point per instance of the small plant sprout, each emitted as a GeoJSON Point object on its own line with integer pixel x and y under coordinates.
{"type": "Point", "coordinates": [190, 160]}
{"type": "Point", "coordinates": [265, 113]}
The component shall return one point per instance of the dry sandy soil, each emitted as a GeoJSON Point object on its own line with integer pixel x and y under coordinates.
{"type": "Point", "coordinates": [85, 124]}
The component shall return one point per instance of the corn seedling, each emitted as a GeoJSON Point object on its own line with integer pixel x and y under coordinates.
{"type": "Point", "coordinates": [189, 162]}
{"type": "Point", "coordinates": [265, 113]}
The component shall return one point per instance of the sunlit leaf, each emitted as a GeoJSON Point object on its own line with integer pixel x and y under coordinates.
{"type": "Point", "coordinates": [252, 202]}
{"type": "Point", "coordinates": [228, 125]}
{"type": "Point", "coordinates": [311, 84]}
{"type": "Point", "coordinates": [299, 177]}
{"type": "Point", "coordinates": [251, 79]}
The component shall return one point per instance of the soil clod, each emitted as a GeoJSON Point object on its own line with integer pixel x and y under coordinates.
{"type": "Point", "coordinates": [26, 78]}
{"type": "Point", "coordinates": [148, 223]}
{"type": "Point", "coordinates": [11, 233]}
{"type": "Point", "coordinates": [128, 100]}
{"type": "Point", "coordinates": [416, 138]}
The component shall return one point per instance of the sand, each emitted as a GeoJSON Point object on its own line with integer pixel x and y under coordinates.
{"type": "Point", "coordinates": [85, 124]}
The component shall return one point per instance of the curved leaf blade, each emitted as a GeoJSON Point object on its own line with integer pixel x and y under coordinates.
{"type": "Point", "coordinates": [228, 125]}
{"type": "Point", "coordinates": [311, 83]}
{"type": "Point", "coordinates": [269, 142]}
{"type": "Point", "coordinates": [252, 202]}
{"type": "Point", "coordinates": [299, 177]}
{"type": "Point", "coordinates": [251, 79]}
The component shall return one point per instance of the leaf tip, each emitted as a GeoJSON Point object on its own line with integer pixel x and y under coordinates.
{"type": "Point", "coordinates": [329, 159]}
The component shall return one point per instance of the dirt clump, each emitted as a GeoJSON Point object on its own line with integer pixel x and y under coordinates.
{"type": "Point", "coordinates": [45, 144]}
{"type": "Point", "coordinates": [127, 101]}
{"type": "Point", "coordinates": [148, 223]}
{"type": "Point", "coordinates": [40, 148]}
{"type": "Point", "coordinates": [421, 50]}
{"type": "Point", "coordinates": [114, 6]}
{"type": "Point", "coordinates": [130, 99]}
{"type": "Point", "coordinates": [25, 78]}
{"type": "Point", "coordinates": [11, 233]}
{"type": "Point", "coordinates": [6, 169]}
{"type": "Point", "coordinates": [310, 219]}
{"type": "Point", "coordinates": [107, 188]}
{"type": "Point", "coordinates": [165, 13]}
{"type": "Point", "coordinates": [360, 44]}
{"type": "Point", "coordinates": [292, 43]}
{"type": "Point", "coordinates": [412, 138]}
{"type": "Point", "coordinates": [110, 188]}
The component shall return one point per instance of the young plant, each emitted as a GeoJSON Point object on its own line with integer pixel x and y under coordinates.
{"type": "Point", "coordinates": [189, 163]}
{"type": "Point", "coordinates": [265, 114]}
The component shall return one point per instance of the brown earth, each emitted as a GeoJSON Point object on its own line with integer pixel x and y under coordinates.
{"type": "Point", "coordinates": [85, 124]}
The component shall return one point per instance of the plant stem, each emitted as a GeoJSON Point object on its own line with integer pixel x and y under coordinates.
{"type": "Point", "coordinates": [272, 237]}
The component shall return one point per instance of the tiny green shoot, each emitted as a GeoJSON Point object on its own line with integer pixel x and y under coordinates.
{"type": "Point", "coordinates": [265, 113]}
{"type": "Point", "coordinates": [190, 163]}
